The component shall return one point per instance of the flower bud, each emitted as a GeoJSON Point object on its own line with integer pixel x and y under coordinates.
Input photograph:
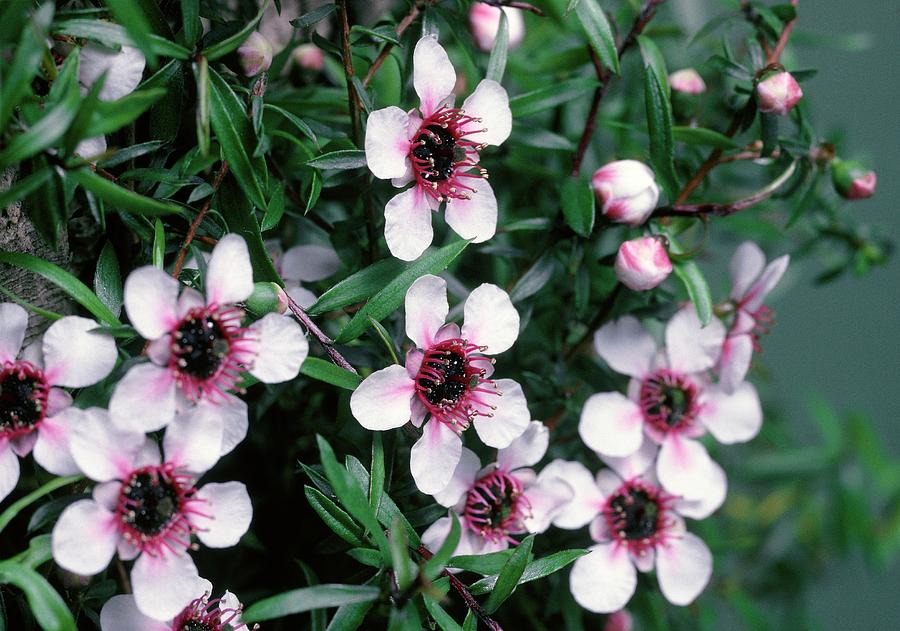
{"type": "Point", "coordinates": [619, 621]}
{"type": "Point", "coordinates": [484, 22]}
{"type": "Point", "coordinates": [267, 298]}
{"type": "Point", "coordinates": [642, 263]}
{"type": "Point", "coordinates": [778, 93]}
{"type": "Point", "coordinates": [852, 180]}
{"type": "Point", "coordinates": [309, 57]}
{"type": "Point", "coordinates": [255, 54]}
{"type": "Point", "coordinates": [627, 191]}
{"type": "Point", "coordinates": [687, 81]}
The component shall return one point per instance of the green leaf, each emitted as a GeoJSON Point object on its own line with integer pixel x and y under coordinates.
{"type": "Point", "coordinates": [19, 505]}
{"type": "Point", "coordinates": [697, 288]}
{"type": "Point", "coordinates": [485, 564]}
{"type": "Point", "coordinates": [46, 204]}
{"type": "Point", "coordinates": [110, 116]}
{"type": "Point", "coordinates": [349, 617]}
{"type": "Point", "coordinates": [158, 251]}
{"type": "Point", "coordinates": [703, 137]}
{"type": "Point", "coordinates": [511, 572]}
{"type": "Point", "coordinates": [275, 208]}
{"type": "Point", "coordinates": [441, 617]}
{"type": "Point", "coordinates": [238, 214]}
{"type": "Point", "coordinates": [32, 44]}
{"type": "Point", "coordinates": [384, 33]}
{"type": "Point", "coordinates": [358, 287]}
{"type": "Point", "coordinates": [659, 124]}
{"type": "Point", "coordinates": [578, 205]}
{"type": "Point", "coordinates": [539, 568]}
{"type": "Point", "coordinates": [653, 58]}
{"type": "Point", "coordinates": [65, 281]}
{"type": "Point", "coordinates": [192, 29]}
{"type": "Point", "coordinates": [222, 48]}
{"type": "Point", "coordinates": [120, 198]}
{"type": "Point", "coordinates": [316, 15]}
{"type": "Point", "coordinates": [130, 153]}
{"type": "Point", "coordinates": [235, 134]}
{"type": "Point", "coordinates": [376, 480]}
{"type": "Point", "coordinates": [550, 96]}
{"type": "Point", "coordinates": [108, 279]}
{"type": "Point", "coordinates": [388, 513]}
{"type": "Point", "coordinates": [533, 280]}
{"type": "Point", "coordinates": [768, 127]}
{"type": "Point", "coordinates": [386, 301]}
{"type": "Point", "coordinates": [382, 334]}
{"type": "Point", "coordinates": [201, 78]}
{"type": "Point", "coordinates": [497, 61]}
{"type": "Point", "coordinates": [436, 563]}
{"type": "Point", "coordinates": [25, 186]}
{"type": "Point", "coordinates": [322, 370]}
{"type": "Point", "coordinates": [595, 24]}
{"type": "Point", "coordinates": [131, 15]}
{"type": "Point", "coordinates": [335, 518]}
{"type": "Point", "coordinates": [43, 134]}
{"type": "Point", "coordinates": [47, 606]}
{"type": "Point", "coordinates": [308, 599]}
{"type": "Point", "coordinates": [297, 122]}
{"type": "Point", "coordinates": [339, 160]}
{"type": "Point", "coordinates": [405, 570]}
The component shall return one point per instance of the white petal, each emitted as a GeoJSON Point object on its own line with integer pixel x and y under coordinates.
{"type": "Point", "coordinates": [120, 613]}
{"type": "Point", "coordinates": [604, 580]}
{"type": "Point", "coordinates": [281, 348]}
{"type": "Point", "coordinates": [426, 309]}
{"type": "Point", "coordinates": [51, 450]}
{"type": "Point", "coordinates": [164, 584]}
{"type": "Point", "coordinates": [107, 494]}
{"type": "Point", "coordinates": [190, 299]}
{"type": "Point", "coordinates": [770, 277]}
{"type": "Point", "coordinates": [433, 74]}
{"type": "Point", "coordinates": [474, 218]}
{"type": "Point", "coordinates": [710, 502]}
{"type": "Point", "coordinates": [302, 296]}
{"type": "Point", "coordinates": [74, 356]}
{"type": "Point", "coordinates": [13, 322]}
{"type": "Point", "coordinates": [435, 535]}
{"type": "Point", "coordinates": [732, 418]}
{"type": "Point", "coordinates": [463, 478]}
{"type": "Point", "coordinates": [144, 399]}
{"type": "Point", "coordinates": [546, 499]}
{"type": "Point", "coordinates": [683, 567]}
{"type": "Point", "coordinates": [490, 319]}
{"type": "Point", "coordinates": [434, 457]}
{"type": "Point", "coordinates": [382, 400]}
{"type": "Point", "coordinates": [235, 422]}
{"type": "Point", "coordinates": [101, 450]}
{"type": "Point", "coordinates": [527, 449]}
{"type": "Point", "coordinates": [509, 420]}
{"type": "Point", "coordinates": [690, 346]}
{"type": "Point", "coordinates": [387, 144]}
{"type": "Point", "coordinates": [611, 424]}
{"type": "Point", "coordinates": [746, 265]}
{"type": "Point", "coordinates": [407, 224]}
{"type": "Point", "coordinates": [91, 148]}
{"type": "Point", "coordinates": [229, 276]}
{"type": "Point", "coordinates": [229, 505]}
{"type": "Point", "coordinates": [309, 263]}
{"type": "Point", "coordinates": [587, 501]}
{"type": "Point", "coordinates": [490, 103]}
{"type": "Point", "coordinates": [9, 470]}
{"type": "Point", "coordinates": [84, 538]}
{"type": "Point", "coordinates": [150, 299]}
{"type": "Point", "coordinates": [684, 468]}
{"type": "Point", "coordinates": [193, 440]}
{"type": "Point", "coordinates": [626, 346]}
{"type": "Point", "coordinates": [124, 69]}
{"type": "Point", "coordinates": [636, 463]}
{"type": "Point", "coordinates": [737, 353]}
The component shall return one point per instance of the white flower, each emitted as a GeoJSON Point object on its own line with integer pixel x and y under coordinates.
{"type": "Point", "coordinates": [505, 498]}
{"type": "Point", "coordinates": [149, 509]}
{"type": "Point", "coordinates": [303, 264]}
{"type": "Point", "coordinates": [447, 378]}
{"type": "Point", "coordinates": [120, 613]}
{"type": "Point", "coordinates": [34, 413]}
{"type": "Point", "coordinates": [484, 22]}
{"type": "Point", "coordinates": [437, 149]}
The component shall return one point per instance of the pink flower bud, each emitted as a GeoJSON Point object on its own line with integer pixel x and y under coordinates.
{"type": "Point", "coordinates": [309, 57]}
{"type": "Point", "coordinates": [642, 263]}
{"type": "Point", "coordinates": [687, 81]}
{"type": "Point", "coordinates": [852, 180]}
{"type": "Point", "coordinates": [627, 191]}
{"type": "Point", "coordinates": [255, 54]}
{"type": "Point", "coordinates": [484, 22]}
{"type": "Point", "coordinates": [619, 621]}
{"type": "Point", "coordinates": [778, 93]}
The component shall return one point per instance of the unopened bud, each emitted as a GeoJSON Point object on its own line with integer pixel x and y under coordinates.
{"type": "Point", "coordinates": [267, 298]}
{"type": "Point", "coordinates": [255, 54]}
{"type": "Point", "coordinates": [642, 263]}
{"type": "Point", "coordinates": [852, 180]}
{"type": "Point", "coordinates": [619, 621]}
{"type": "Point", "coordinates": [687, 81]}
{"type": "Point", "coordinates": [309, 57]}
{"type": "Point", "coordinates": [627, 191]}
{"type": "Point", "coordinates": [484, 22]}
{"type": "Point", "coordinates": [778, 93]}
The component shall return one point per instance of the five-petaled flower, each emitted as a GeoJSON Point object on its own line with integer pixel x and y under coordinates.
{"type": "Point", "coordinates": [437, 150]}
{"type": "Point", "coordinates": [120, 613]}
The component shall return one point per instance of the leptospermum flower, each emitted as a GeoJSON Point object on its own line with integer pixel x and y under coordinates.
{"type": "Point", "coordinates": [448, 380]}
{"type": "Point", "coordinates": [34, 411]}
{"type": "Point", "coordinates": [147, 508]}
{"type": "Point", "coordinates": [751, 282]}
{"type": "Point", "coordinates": [504, 499]}
{"type": "Point", "coordinates": [199, 347]}
{"type": "Point", "coordinates": [303, 264]}
{"type": "Point", "coordinates": [437, 150]}
{"type": "Point", "coordinates": [626, 190]}
{"type": "Point", "coordinates": [670, 400]}
{"type": "Point", "coordinates": [120, 613]}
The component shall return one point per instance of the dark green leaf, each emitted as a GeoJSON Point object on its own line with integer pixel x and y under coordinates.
{"type": "Point", "coordinates": [294, 120]}
{"type": "Point", "coordinates": [539, 568]}
{"type": "Point", "coordinates": [349, 617]}
{"type": "Point", "coordinates": [441, 617]}
{"type": "Point", "coordinates": [341, 159]}
{"type": "Point", "coordinates": [768, 125]}
{"type": "Point", "coordinates": [512, 571]}
{"type": "Point", "coordinates": [322, 370]}
{"type": "Point", "coordinates": [654, 59]}
{"type": "Point", "coordinates": [131, 15]}
{"type": "Point", "coordinates": [108, 279]}
{"type": "Point", "coordinates": [118, 197]}
{"type": "Point", "coordinates": [238, 214]}
{"type": "Point", "coordinates": [405, 570]}
{"type": "Point", "coordinates": [697, 288]}
{"type": "Point", "coordinates": [436, 563]}
{"type": "Point", "coordinates": [222, 48]}
{"type": "Point", "coordinates": [43, 134]}
{"type": "Point", "coordinates": [47, 606]}
{"type": "Point", "coordinates": [315, 189]}
{"type": "Point", "coordinates": [19, 505]}
{"type": "Point", "coordinates": [316, 15]}
{"type": "Point", "coordinates": [702, 136]}
{"type": "Point", "coordinates": [25, 186]}
{"type": "Point", "coordinates": [46, 204]}
{"type": "Point", "coordinates": [192, 29]}
{"type": "Point", "coordinates": [383, 33]}
{"type": "Point", "coordinates": [595, 24]}
{"type": "Point", "coordinates": [335, 518]}
{"type": "Point", "coordinates": [275, 209]}
{"type": "Point", "coordinates": [307, 599]}
{"type": "Point", "coordinates": [535, 278]}
{"type": "Point", "coordinates": [497, 61]}
{"type": "Point", "coordinates": [159, 244]}
{"type": "Point", "coordinates": [388, 513]}
{"type": "Point", "coordinates": [26, 63]}
{"type": "Point", "coordinates": [659, 124]}
{"type": "Point", "coordinates": [201, 78]}
{"type": "Point", "coordinates": [366, 556]}
{"type": "Point", "coordinates": [110, 116]}
{"type": "Point", "coordinates": [485, 564]}
{"type": "Point", "coordinates": [550, 96]}
{"type": "Point", "coordinates": [578, 205]}
{"type": "Point", "coordinates": [358, 287]}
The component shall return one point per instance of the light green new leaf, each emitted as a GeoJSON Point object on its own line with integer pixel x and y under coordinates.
{"type": "Point", "coordinates": [327, 372]}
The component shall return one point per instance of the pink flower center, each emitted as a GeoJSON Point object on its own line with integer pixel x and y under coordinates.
{"type": "Point", "coordinates": [203, 614]}
{"type": "Point", "coordinates": [440, 154]}
{"type": "Point", "coordinates": [495, 507]}
{"type": "Point", "coordinates": [637, 515]}
{"type": "Point", "coordinates": [153, 508]}
{"type": "Point", "coordinates": [23, 399]}
{"type": "Point", "coordinates": [452, 388]}
{"type": "Point", "coordinates": [209, 351]}
{"type": "Point", "coordinates": [669, 401]}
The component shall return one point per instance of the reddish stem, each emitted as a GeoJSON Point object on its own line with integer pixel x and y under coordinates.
{"type": "Point", "coordinates": [182, 254]}
{"type": "Point", "coordinates": [317, 333]}
{"type": "Point", "coordinates": [386, 49]}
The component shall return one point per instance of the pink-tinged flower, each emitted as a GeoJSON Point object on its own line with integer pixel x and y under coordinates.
{"type": "Point", "coordinates": [35, 414]}
{"type": "Point", "coordinates": [778, 93]}
{"type": "Point", "coordinates": [499, 501]}
{"type": "Point", "coordinates": [484, 22]}
{"type": "Point", "coordinates": [437, 150]}
{"type": "Point", "coordinates": [627, 191]}
{"type": "Point", "coordinates": [120, 613]}
{"type": "Point", "coordinates": [670, 400]}
{"type": "Point", "coordinates": [852, 180]}
{"type": "Point", "coordinates": [199, 347]}
{"type": "Point", "coordinates": [255, 54]}
{"type": "Point", "coordinates": [642, 263]}
{"type": "Point", "coordinates": [448, 380]}
{"type": "Point", "coordinates": [303, 264]}
{"type": "Point", "coordinates": [147, 508]}
{"type": "Point", "coordinates": [751, 282]}
{"type": "Point", "coordinates": [688, 81]}
{"type": "Point", "coordinates": [309, 57]}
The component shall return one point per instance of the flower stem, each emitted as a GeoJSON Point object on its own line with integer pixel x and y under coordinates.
{"type": "Point", "coordinates": [347, 58]}
{"type": "Point", "coordinates": [404, 24]}
{"type": "Point", "coordinates": [182, 254]}
{"type": "Point", "coordinates": [317, 333]}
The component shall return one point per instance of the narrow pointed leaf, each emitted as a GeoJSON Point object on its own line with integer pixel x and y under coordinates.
{"type": "Point", "coordinates": [595, 24]}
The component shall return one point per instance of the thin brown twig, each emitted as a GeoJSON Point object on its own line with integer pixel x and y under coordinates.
{"type": "Point", "coordinates": [404, 24]}
{"type": "Point", "coordinates": [182, 254]}
{"type": "Point", "coordinates": [347, 59]}
{"type": "Point", "coordinates": [775, 56]}
{"type": "Point", "coordinates": [317, 333]}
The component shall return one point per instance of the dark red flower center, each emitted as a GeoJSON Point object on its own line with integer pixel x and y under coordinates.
{"type": "Point", "coordinates": [669, 400]}
{"type": "Point", "coordinates": [637, 515]}
{"type": "Point", "coordinates": [203, 614]}
{"type": "Point", "coordinates": [23, 398]}
{"type": "Point", "coordinates": [495, 507]}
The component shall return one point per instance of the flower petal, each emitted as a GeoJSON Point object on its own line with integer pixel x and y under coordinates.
{"type": "Point", "coordinates": [229, 506]}
{"type": "Point", "coordinates": [434, 457]}
{"type": "Point", "coordinates": [309, 263]}
{"type": "Point", "coordinates": [407, 224]}
{"type": "Point", "coordinates": [387, 143]}
{"type": "Point", "coordinates": [710, 502]}
{"type": "Point", "coordinates": [527, 449]}
{"type": "Point", "coordinates": [509, 420]}
{"type": "Point", "coordinates": [474, 218]}
{"type": "Point", "coordinates": [426, 309]}
{"type": "Point", "coordinates": [587, 500]}
{"type": "Point", "coordinates": [229, 275]}
{"type": "Point", "coordinates": [124, 69]}
{"type": "Point", "coordinates": [9, 470]}
{"type": "Point", "coordinates": [546, 499]}
{"type": "Point", "coordinates": [120, 613]}
{"type": "Point", "coordinates": [302, 296]}
{"type": "Point", "coordinates": [382, 400]}
{"type": "Point", "coordinates": [433, 74]}
{"type": "Point", "coordinates": [737, 353]}
{"type": "Point", "coordinates": [144, 399]}
{"type": "Point", "coordinates": [463, 478]}
{"type": "Point", "coordinates": [690, 346]}
{"type": "Point", "coordinates": [281, 348]}
{"type": "Point", "coordinates": [684, 468]}
{"type": "Point", "coordinates": [683, 567]}
{"type": "Point", "coordinates": [611, 424]}
{"type": "Point", "coordinates": [770, 277]}
{"type": "Point", "coordinates": [604, 580]}
{"type": "Point", "coordinates": [84, 538]}
{"type": "Point", "coordinates": [164, 584]}
{"type": "Point", "coordinates": [101, 450]}
{"type": "Point", "coordinates": [74, 355]}
{"type": "Point", "coordinates": [746, 265]}
{"type": "Point", "coordinates": [150, 299]}
{"type": "Point", "coordinates": [634, 464]}
{"type": "Point", "coordinates": [490, 103]}
{"type": "Point", "coordinates": [732, 418]}
{"type": "Point", "coordinates": [626, 346]}
{"type": "Point", "coordinates": [13, 322]}
{"type": "Point", "coordinates": [235, 421]}
{"type": "Point", "coordinates": [490, 319]}
{"type": "Point", "coordinates": [51, 450]}
{"type": "Point", "coordinates": [193, 440]}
